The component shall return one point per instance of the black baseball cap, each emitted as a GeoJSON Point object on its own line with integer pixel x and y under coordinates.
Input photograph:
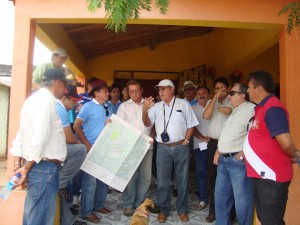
{"type": "Point", "coordinates": [71, 92]}
{"type": "Point", "coordinates": [54, 74]}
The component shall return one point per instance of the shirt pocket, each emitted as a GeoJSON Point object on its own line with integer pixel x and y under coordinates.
{"type": "Point", "coordinates": [178, 117]}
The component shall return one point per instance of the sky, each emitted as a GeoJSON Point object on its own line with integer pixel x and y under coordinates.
{"type": "Point", "coordinates": [7, 20]}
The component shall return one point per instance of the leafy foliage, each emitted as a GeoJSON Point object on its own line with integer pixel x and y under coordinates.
{"type": "Point", "coordinates": [119, 12]}
{"type": "Point", "coordinates": [294, 15]}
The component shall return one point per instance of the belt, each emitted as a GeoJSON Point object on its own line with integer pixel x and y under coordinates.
{"type": "Point", "coordinates": [51, 160]}
{"type": "Point", "coordinates": [173, 144]}
{"type": "Point", "coordinates": [212, 139]}
{"type": "Point", "coordinates": [229, 154]}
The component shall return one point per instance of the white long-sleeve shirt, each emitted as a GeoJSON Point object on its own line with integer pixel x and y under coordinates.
{"type": "Point", "coordinates": [41, 133]}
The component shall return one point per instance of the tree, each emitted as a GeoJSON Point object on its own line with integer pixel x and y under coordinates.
{"type": "Point", "coordinates": [294, 15]}
{"type": "Point", "coordinates": [119, 12]}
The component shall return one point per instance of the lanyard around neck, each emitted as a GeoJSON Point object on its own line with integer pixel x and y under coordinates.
{"type": "Point", "coordinates": [165, 127]}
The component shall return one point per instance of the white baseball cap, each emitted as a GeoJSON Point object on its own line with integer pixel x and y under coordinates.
{"type": "Point", "coordinates": [189, 83]}
{"type": "Point", "coordinates": [165, 83]}
{"type": "Point", "coordinates": [60, 51]}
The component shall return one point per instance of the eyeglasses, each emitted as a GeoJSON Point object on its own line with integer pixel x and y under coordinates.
{"type": "Point", "coordinates": [232, 93]}
{"type": "Point", "coordinates": [134, 91]}
{"type": "Point", "coordinates": [106, 110]}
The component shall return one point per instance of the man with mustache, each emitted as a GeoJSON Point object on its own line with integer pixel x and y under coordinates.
{"type": "Point", "coordinates": [200, 148]}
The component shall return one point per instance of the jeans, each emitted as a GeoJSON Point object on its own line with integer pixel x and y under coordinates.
{"type": "Point", "coordinates": [166, 157]}
{"type": "Point", "coordinates": [136, 190]}
{"type": "Point", "coordinates": [76, 154]}
{"type": "Point", "coordinates": [93, 194]}
{"type": "Point", "coordinates": [233, 187]}
{"type": "Point", "coordinates": [270, 200]}
{"type": "Point", "coordinates": [42, 189]}
{"type": "Point", "coordinates": [75, 185]}
{"type": "Point", "coordinates": [212, 146]}
{"type": "Point", "coordinates": [200, 161]}
{"type": "Point", "coordinates": [66, 217]}
{"type": "Point", "coordinates": [154, 169]}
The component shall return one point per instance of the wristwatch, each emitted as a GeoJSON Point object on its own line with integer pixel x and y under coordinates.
{"type": "Point", "coordinates": [187, 141]}
{"type": "Point", "coordinates": [241, 157]}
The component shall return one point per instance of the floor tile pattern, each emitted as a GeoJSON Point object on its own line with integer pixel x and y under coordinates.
{"type": "Point", "coordinates": [114, 202]}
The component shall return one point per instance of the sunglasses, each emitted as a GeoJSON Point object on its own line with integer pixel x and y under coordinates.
{"type": "Point", "coordinates": [106, 110]}
{"type": "Point", "coordinates": [232, 93]}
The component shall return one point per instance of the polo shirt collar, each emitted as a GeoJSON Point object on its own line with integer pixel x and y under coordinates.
{"type": "Point", "coordinates": [130, 101]}
{"type": "Point", "coordinates": [171, 102]}
{"type": "Point", "coordinates": [265, 100]}
{"type": "Point", "coordinates": [95, 101]}
{"type": "Point", "coordinates": [59, 101]}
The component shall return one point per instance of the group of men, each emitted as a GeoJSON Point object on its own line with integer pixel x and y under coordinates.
{"type": "Point", "coordinates": [237, 148]}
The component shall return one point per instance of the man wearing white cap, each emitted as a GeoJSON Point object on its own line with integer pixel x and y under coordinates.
{"type": "Point", "coordinates": [189, 91]}
{"type": "Point", "coordinates": [58, 59]}
{"type": "Point", "coordinates": [174, 122]}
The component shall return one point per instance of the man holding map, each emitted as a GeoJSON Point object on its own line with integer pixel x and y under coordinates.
{"type": "Point", "coordinates": [131, 111]}
{"type": "Point", "coordinates": [89, 123]}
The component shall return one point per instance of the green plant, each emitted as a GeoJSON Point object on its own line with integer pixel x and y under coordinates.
{"type": "Point", "coordinates": [293, 17]}
{"type": "Point", "coordinates": [119, 12]}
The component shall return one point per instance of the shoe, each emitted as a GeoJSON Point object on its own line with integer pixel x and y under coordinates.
{"type": "Point", "coordinates": [92, 218]}
{"type": "Point", "coordinates": [154, 210]}
{"type": "Point", "coordinates": [104, 211]}
{"type": "Point", "coordinates": [63, 192]}
{"type": "Point", "coordinates": [202, 205]}
{"type": "Point", "coordinates": [74, 211]}
{"type": "Point", "coordinates": [210, 218]}
{"type": "Point", "coordinates": [175, 193]}
{"type": "Point", "coordinates": [183, 217]}
{"type": "Point", "coordinates": [75, 201]}
{"type": "Point", "coordinates": [79, 223]}
{"type": "Point", "coordinates": [75, 206]}
{"type": "Point", "coordinates": [161, 218]}
{"type": "Point", "coordinates": [128, 212]}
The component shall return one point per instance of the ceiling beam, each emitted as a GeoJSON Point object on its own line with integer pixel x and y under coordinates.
{"type": "Point", "coordinates": [154, 34]}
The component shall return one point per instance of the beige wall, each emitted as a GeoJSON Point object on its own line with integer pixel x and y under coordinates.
{"type": "Point", "coordinates": [224, 49]}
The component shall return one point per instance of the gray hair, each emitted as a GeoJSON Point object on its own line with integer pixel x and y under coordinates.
{"type": "Point", "coordinates": [243, 88]}
{"type": "Point", "coordinates": [48, 83]}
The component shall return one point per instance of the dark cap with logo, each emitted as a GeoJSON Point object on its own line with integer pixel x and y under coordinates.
{"type": "Point", "coordinates": [54, 74]}
{"type": "Point", "coordinates": [97, 84]}
{"type": "Point", "coordinates": [71, 92]}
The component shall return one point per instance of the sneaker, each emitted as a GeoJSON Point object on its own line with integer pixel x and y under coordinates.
{"type": "Point", "coordinates": [74, 211]}
{"type": "Point", "coordinates": [76, 201]}
{"type": "Point", "coordinates": [63, 192]}
{"type": "Point", "coordinates": [202, 205]}
{"type": "Point", "coordinates": [128, 211]}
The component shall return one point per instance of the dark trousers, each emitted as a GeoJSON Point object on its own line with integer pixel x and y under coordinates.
{"type": "Point", "coordinates": [270, 200]}
{"type": "Point", "coordinates": [212, 172]}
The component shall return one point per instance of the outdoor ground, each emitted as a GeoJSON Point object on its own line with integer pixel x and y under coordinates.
{"type": "Point", "coordinates": [114, 202]}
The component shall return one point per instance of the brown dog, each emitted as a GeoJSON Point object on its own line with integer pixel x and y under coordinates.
{"type": "Point", "coordinates": [141, 215]}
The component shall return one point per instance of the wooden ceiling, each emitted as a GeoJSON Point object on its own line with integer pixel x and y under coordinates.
{"type": "Point", "coordinates": [94, 40]}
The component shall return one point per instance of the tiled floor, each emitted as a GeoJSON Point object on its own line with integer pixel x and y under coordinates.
{"type": "Point", "coordinates": [114, 202]}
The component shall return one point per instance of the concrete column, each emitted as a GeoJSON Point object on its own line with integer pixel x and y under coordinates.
{"type": "Point", "coordinates": [11, 212]}
{"type": "Point", "coordinates": [289, 53]}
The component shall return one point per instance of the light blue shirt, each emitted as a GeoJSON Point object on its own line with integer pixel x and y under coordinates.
{"type": "Point", "coordinates": [63, 114]}
{"type": "Point", "coordinates": [115, 107]}
{"type": "Point", "coordinates": [193, 102]}
{"type": "Point", "coordinates": [93, 116]}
